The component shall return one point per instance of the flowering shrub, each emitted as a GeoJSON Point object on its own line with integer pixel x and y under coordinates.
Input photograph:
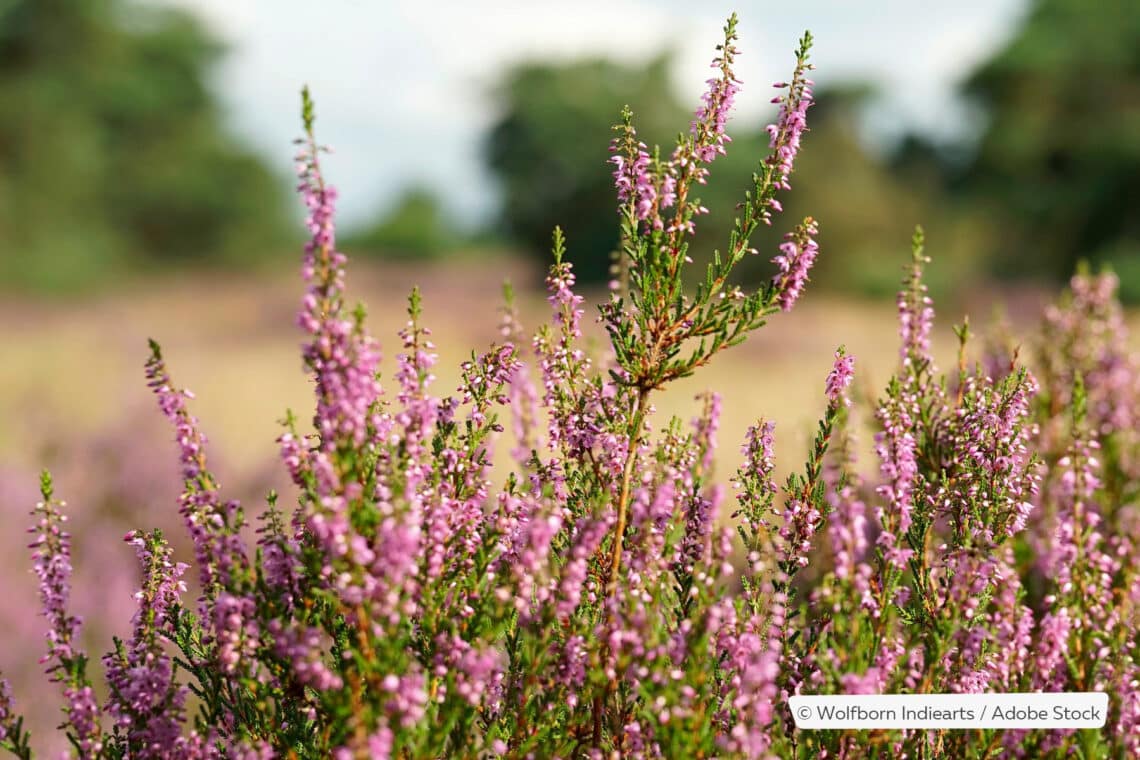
{"type": "Point", "coordinates": [590, 604]}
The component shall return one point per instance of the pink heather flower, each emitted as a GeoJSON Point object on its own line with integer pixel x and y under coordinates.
{"type": "Point", "coordinates": [587, 537]}
{"type": "Point", "coordinates": [876, 678]}
{"type": "Point", "coordinates": [754, 659]}
{"type": "Point", "coordinates": [378, 746]}
{"type": "Point", "coordinates": [1080, 562]}
{"type": "Point", "coordinates": [343, 358]}
{"type": "Point", "coordinates": [705, 428]}
{"type": "Point", "coordinates": [1049, 670]}
{"type": "Point", "coordinates": [915, 312]}
{"type": "Point", "coordinates": [962, 581]}
{"type": "Point", "coordinates": [706, 140]}
{"type": "Point", "coordinates": [651, 513]}
{"type": "Point", "coordinates": [847, 533]}
{"type": "Point", "coordinates": [572, 659]}
{"type": "Point", "coordinates": [634, 736]}
{"type": "Point", "coordinates": [847, 526]}
{"type": "Point", "coordinates": [668, 191]}
{"type": "Point", "coordinates": [214, 527]}
{"type": "Point", "coordinates": [380, 743]}
{"type": "Point", "coordinates": [708, 125]}
{"type": "Point", "coordinates": [280, 562]}
{"type": "Point", "coordinates": [898, 467]}
{"type": "Point", "coordinates": [755, 479]}
{"type": "Point", "coordinates": [797, 255]}
{"type": "Point", "coordinates": [566, 304]}
{"type": "Point", "coordinates": [525, 414]}
{"type": "Point", "coordinates": [992, 442]}
{"type": "Point", "coordinates": [83, 715]}
{"type": "Point", "coordinates": [634, 179]}
{"type": "Point", "coordinates": [52, 565]}
{"type": "Point", "coordinates": [407, 698]}
{"type": "Point", "coordinates": [146, 702]}
{"type": "Point", "coordinates": [236, 631]}
{"type": "Point", "coordinates": [1088, 335]}
{"type": "Point", "coordinates": [304, 647]}
{"type": "Point", "coordinates": [147, 705]}
{"type": "Point", "coordinates": [419, 413]}
{"type": "Point", "coordinates": [1011, 624]}
{"type": "Point", "coordinates": [707, 136]}
{"type": "Point", "coordinates": [840, 377]}
{"type": "Point", "coordinates": [696, 545]}
{"type": "Point", "coordinates": [523, 397]}
{"type": "Point", "coordinates": [247, 750]}
{"type": "Point", "coordinates": [801, 522]}
{"type": "Point", "coordinates": [915, 321]}
{"type": "Point", "coordinates": [454, 514]}
{"type": "Point", "coordinates": [564, 367]}
{"type": "Point", "coordinates": [7, 716]}
{"type": "Point", "coordinates": [533, 554]}
{"type": "Point", "coordinates": [478, 671]}
{"type": "Point", "coordinates": [786, 134]}
{"type": "Point", "coordinates": [1128, 722]}
{"type": "Point", "coordinates": [755, 484]}
{"type": "Point", "coordinates": [759, 454]}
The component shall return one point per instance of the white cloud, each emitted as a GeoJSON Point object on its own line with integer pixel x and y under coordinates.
{"type": "Point", "coordinates": [401, 86]}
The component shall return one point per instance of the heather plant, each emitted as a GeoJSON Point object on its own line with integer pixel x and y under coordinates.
{"type": "Point", "coordinates": [594, 599]}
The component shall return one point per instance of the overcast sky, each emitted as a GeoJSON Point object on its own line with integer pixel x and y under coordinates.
{"type": "Point", "coordinates": [402, 86]}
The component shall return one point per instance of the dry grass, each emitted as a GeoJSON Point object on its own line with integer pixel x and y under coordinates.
{"type": "Point", "coordinates": [71, 368]}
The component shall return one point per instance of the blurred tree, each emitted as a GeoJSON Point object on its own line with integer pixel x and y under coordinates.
{"type": "Point", "coordinates": [867, 209]}
{"type": "Point", "coordinates": [112, 150]}
{"type": "Point", "coordinates": [548, 149]}
{"type": "Point", "coordinates": [1059, 161]}
{"type": "Point", "coordinates": [416, 226]}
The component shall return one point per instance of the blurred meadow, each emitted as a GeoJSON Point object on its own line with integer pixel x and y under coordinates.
{"type": "Point", "coordinates": [139, 199]}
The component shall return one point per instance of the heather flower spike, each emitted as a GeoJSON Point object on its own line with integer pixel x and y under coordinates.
{"type": "Point", "coordinates": [840, 377]}
{"type": "Point", "coordinates": [66, 663]}
{"type": "Point", "coordinates": [787, 133]}
{"type": "Point", "coordinates": [797, 255]}
{"type": "Point", "coordinates": [716, 316]}
{"type": "Point", "coordinates": [916, 314]}
{"type": "Point", "coordinates": [583, 597]}
{"type": "Point", "coordinates": [13, 737]}
{"type": "Point", "coordinates": [146, 702]}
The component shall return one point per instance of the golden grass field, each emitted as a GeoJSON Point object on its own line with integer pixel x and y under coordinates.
{"type": "Point", "coordinates": [71, 368]}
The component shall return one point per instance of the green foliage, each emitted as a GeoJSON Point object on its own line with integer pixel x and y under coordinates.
{"type": "Point", "coordinates": [1060, 157]}
{"type": "Point", "coordinates": [417, 226]}
{"type": "Point", "coordinates": [112, 150]}
{"type": "Point", "coordinates": [547, 149]}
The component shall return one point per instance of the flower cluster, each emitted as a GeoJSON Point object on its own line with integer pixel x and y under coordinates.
{"type": "Point", "coordinates": [797, 255]}
{"type": "Point", "coordinates": [588, 600]}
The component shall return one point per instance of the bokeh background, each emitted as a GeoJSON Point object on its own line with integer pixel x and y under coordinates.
{"type": "Point", "coordinates": [145, 190]}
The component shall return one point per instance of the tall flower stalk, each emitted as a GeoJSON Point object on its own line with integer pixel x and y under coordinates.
{"type": "Point", "coordinates": [66, 662]}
